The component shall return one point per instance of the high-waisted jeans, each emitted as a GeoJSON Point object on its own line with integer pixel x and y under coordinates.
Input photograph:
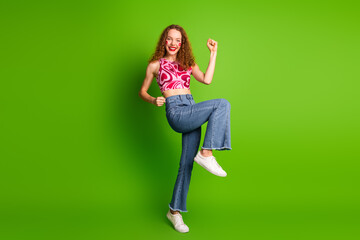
{"type": "Point", "coordinates": [186, 117]}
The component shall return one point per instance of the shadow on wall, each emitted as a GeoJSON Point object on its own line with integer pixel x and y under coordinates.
{"type": "Point", "coordinates": [142, 127]}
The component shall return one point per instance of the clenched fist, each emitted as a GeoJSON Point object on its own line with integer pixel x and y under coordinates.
{"type": "Point", "coordinates": [212, 45]}
{"type": "Point", "coordinates": [159, 101]}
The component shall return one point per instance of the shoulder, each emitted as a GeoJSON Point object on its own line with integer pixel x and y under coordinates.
{"type": "Point", "coordinates": [154, 66]}
{"type": "Point", "coordinates": [194, 66]}
{"type": "Point", "coordinates": [155, 62]}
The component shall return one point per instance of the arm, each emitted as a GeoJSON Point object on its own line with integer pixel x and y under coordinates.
{"type": "Point", "coordinates": [158, 101]}
{"type": "Point", "coordinates": [207, 77]}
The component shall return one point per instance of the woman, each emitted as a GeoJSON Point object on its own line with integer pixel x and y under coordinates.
{"type": "Point", "coordinates": [171, 65]}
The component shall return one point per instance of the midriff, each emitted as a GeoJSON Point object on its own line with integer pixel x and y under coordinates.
{"type": "Point", "coordinates": [172, 92]}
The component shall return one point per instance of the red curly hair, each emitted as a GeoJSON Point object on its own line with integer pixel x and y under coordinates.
{"type": "Point", "coordinates": [184, 57]}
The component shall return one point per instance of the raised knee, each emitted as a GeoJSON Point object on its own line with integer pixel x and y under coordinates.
{"type": "Point", "coordinates": [225, 102]}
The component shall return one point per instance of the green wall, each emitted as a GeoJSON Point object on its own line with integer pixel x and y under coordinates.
{"type": "Point", "coordinates": [83, 157]}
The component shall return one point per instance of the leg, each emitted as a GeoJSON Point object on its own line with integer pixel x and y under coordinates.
{"type": "Point", "coordinates": [217, 134]}
{"type": "Point", "coordinates": [218, 121]}
{"type": "Point", "coordinates": [190, 146]}
{"type": "Point", "coordinates": [217, 137]}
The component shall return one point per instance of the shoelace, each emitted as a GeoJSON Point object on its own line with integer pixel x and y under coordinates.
{"type": "Point", "coordinates": [178, 219]}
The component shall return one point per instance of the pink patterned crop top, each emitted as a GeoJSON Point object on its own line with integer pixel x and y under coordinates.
{"type": "Point", "coordinates": [172, 76]}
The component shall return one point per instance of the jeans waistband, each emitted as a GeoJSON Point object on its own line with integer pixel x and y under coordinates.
{"type": "Point", "coordinates": [176, 99]}
{"type": "Point", "coordinates": [180, 97]}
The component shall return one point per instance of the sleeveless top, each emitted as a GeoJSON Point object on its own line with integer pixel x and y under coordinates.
{"type": "Point", "coordinates": [172, 76]}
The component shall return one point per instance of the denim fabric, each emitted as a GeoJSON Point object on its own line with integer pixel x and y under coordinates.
{"type": "Point", "coordinates": [186, 117]}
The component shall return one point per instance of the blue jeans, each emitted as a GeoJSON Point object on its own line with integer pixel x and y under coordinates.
{"type": "Point", "coordinates": [186, 117]}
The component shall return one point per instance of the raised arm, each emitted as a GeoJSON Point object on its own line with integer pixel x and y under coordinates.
{"type": "Point", "coordinates": [208, 76]}
{"type": "Point", "coordinates": [150, 70]}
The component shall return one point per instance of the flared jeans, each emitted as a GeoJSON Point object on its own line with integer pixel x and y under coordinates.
{"type": "Point", "coordinates": [186, 117]}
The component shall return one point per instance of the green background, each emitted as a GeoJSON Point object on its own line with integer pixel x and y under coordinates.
{"type": "Point", "coordinates": [83, 157]}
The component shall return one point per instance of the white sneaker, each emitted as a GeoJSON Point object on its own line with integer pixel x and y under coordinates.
{"type": "Point", "coordinates": [177, 221]}
{"type": "Point", "coordinates": [210, 164]}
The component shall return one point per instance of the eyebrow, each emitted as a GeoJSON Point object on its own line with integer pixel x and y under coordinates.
{"type": "Point", "coordinates": [171, 37]}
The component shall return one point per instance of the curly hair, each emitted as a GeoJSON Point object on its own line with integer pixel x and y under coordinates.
{"type": "Point", "coordinates": [184, 57]}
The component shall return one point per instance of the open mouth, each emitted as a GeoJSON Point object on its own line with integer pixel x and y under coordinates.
{"type": "Point", "coordinates": [172, 48]}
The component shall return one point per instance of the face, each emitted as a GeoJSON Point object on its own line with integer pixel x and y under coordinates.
{"type": "Point", "coordinates": [173, 42]}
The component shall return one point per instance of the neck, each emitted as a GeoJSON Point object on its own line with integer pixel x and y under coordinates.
{"type": "Point", "coordinates": [170, 58]}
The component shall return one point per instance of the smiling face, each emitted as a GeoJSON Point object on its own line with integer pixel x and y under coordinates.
{"type": "Point", "coordinates": [173, 42]}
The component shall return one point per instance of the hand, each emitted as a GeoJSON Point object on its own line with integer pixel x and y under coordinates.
{"type": "Point", "coordinates": [159, 101]}
{"type": "Point", "coordinates": [212, 45]}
